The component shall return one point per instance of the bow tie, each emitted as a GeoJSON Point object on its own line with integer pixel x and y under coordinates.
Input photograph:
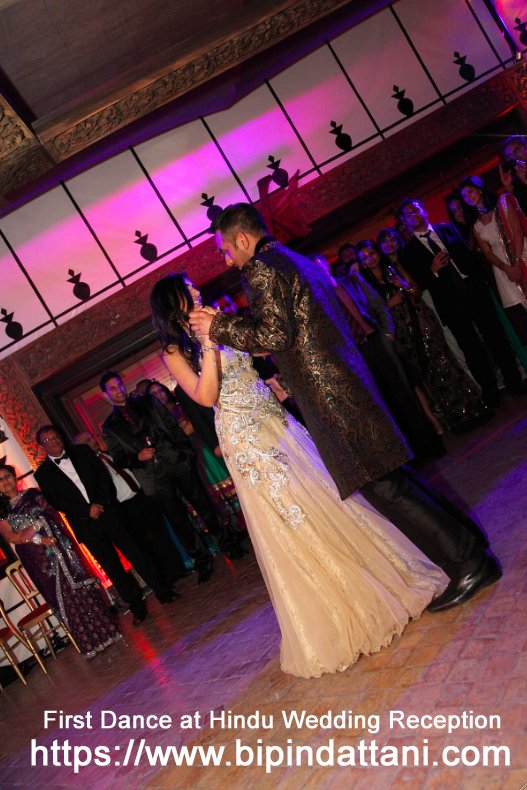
{"type": "Point", "coordinates": [62, 458]}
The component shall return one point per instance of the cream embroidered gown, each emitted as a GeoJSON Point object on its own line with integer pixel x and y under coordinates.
{"type": "Point", "coordinates": [343, 580]}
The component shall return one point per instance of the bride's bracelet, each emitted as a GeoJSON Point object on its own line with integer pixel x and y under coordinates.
{"type": "Point", "coordinates": [37, 539]}
{"type": "Point", "coordinates": [209, 348]}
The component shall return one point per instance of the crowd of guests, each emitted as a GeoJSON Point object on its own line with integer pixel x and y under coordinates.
{"type": "Point", "coordinates": [436, 311]}
{"type": "Point", "coordinates": [456, 295]}
{"type": "Point", "coordinates": [152, 487]}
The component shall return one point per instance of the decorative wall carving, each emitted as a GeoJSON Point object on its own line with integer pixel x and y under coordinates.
{"type": "Point", "coordinates": [183, 77]}
{"type": "Point", "coordinates": [22, 158]}
{"type": "Point", "coordinates": [14, 134]}
{"type": "Point", "coordinates": [20, 408]}
{"type": "Point", "coordinates": [24, 166]}
{"type": "Point", "coordinates": [517, 78]}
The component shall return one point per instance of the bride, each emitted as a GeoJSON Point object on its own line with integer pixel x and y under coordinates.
{"type": "Point", "coordinates": [343, 581]}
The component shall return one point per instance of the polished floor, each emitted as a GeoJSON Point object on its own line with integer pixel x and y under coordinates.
{"type": "Point", "coordinates": [215, 651]}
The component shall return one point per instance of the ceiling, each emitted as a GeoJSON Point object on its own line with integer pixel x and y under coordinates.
{"type": "Point", "coordinates": [79, 79]}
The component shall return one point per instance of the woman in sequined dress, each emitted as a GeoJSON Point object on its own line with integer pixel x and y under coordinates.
{"type": "Point", "coordinates": [435, 373]}
{"type": "Point", "coordinates": [55, 565]}
{"type": "Point", "coordinates": [343, 581]}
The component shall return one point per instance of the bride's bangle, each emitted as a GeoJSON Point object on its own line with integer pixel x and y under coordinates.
{"type": "Point", "coordinates": [209, 348]}
{"type": "Point", "coordinates": [37, 539]}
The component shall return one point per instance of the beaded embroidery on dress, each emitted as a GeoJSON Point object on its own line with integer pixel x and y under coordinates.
{"type": "Point", "coordinates": [343, 581]}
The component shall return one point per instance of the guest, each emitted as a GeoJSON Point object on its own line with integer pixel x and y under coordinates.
{"type": "Point", "coordinates": [423, 343]}
{"type": "Point", "coordinates": [373, 329]}
{"type": "Point", "coordinates": [142, 436]}
{"type": "Point", "coordinates": [403, 238]}
{"type": "Point", "coordinates": [166, 398]}
{"type": "Point", "coordinates": [197, 422]}
{"type": "Point", "coordinates": [347, 261]}
{"type": "Point", "coordinates": [55, 565]}
{"type": "Point", "coordinates": [456, 210]}
{"type": "Point", "coordinates": [140, 513]}
{"type": "Point", "coordinates": [438, 259]}
{"type": "Point", "coordinates": [513, 169]}
{"type": "Point", "coordinates": [76, 483]}
{"type": "Point", "coordinates": [500, 232]}
{"type": "Point", "coordinates": [226, 304]}
{"type": "Point", "coordinates": [395, 290]}
{"type": "Point", "coordinates": [140, 388]}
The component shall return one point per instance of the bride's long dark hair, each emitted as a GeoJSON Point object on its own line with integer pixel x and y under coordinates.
{"type": "Point", "coordinates": [170, 301]}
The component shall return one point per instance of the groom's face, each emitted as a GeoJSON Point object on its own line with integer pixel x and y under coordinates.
{"type": "Point", "coordinates": [237, 248]}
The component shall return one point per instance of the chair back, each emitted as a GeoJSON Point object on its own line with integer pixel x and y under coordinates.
{"type": "Point", "coordinates": [9, 623]}
{"type": "Point", "coordinates": [22, 584]}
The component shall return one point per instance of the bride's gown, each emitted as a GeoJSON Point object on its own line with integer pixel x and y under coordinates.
{"type": "Point", "coordinates": [343, 580]}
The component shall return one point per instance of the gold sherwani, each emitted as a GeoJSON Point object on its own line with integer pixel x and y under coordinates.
{"type": "Point", "coordinates": [296, 317]}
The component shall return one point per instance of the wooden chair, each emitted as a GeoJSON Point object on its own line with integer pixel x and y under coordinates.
{"type": "Point", "coordinates": [10, 631]}
{"type": "Point", "coordinates": [40, 614]}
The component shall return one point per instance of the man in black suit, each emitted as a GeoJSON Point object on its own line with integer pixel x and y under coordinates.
{"type": "Point", "coordinates": [439, 260]}
{"type": "Point", "coordinates": [76, 483]}
{"type": "Point", "coordinates": [140, 513]}
{"type": "Point", "coordinates": [143, 436]}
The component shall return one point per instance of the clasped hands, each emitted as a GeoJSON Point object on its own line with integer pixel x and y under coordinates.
{"type": "Point", "coordinates": [200, 321]}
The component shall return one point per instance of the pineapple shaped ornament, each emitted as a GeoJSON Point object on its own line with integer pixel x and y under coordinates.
{"type": "Point", "coordinates": [147, 250]}
{"type": "Point", "coordinates": [466, 71]}
{"type": "Point", "coordinates": [404, 105]}
{"type": "Point", "coordinates": [213, 210]}
{"type": "Point", "coordinates": [80, 290]}
{"type": "Point", "coordinates": [342, 140]}
{"type": "Point", "coordinates": [13, 329]}
{"type": "Point", "coordinates": [280, 176]}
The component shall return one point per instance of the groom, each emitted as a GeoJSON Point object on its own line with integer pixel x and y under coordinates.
{"type": "Point", "coordinates": [295, 315]}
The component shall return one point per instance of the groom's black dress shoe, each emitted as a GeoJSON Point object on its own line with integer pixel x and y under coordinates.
{"type": "Point", "coordinates": [462, 589]}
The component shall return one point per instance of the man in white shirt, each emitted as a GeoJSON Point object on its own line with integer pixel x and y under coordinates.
{"type": "Point", "coordinates": [76, 483]}
{"type": "Point", "coordinates": [439, 260]}
{"type": "Point", "coordinates": [141, 513]}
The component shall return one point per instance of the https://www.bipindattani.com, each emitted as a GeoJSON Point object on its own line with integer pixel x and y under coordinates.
{"type": "Point", "coordinates": [159, 739]}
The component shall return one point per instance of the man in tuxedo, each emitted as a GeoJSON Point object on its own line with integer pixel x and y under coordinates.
{"type": "Point", "coordinates": [76, 483]}
{"type": "Point", "coordinates": [295, 315]}
{"type": "Point", "coordinates": [140, 513]}
{"type": "Point", "coordinates": [439, 260]}
{"type": "Point", "coordinates": [143, 436]}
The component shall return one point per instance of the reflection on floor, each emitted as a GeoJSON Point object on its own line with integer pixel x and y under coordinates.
{"type": "Point", "coordinates": [216, 650]}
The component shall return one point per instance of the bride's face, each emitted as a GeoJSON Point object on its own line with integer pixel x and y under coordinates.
{"type": "Point", "coordinates": [194, 294]}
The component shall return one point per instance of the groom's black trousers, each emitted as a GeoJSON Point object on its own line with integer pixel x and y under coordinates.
{"type": "Point", "coordinates": [419, 513]}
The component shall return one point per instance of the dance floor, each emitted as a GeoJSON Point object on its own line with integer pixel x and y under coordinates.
{"type": "Point", "coordinates": [214, 652]}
